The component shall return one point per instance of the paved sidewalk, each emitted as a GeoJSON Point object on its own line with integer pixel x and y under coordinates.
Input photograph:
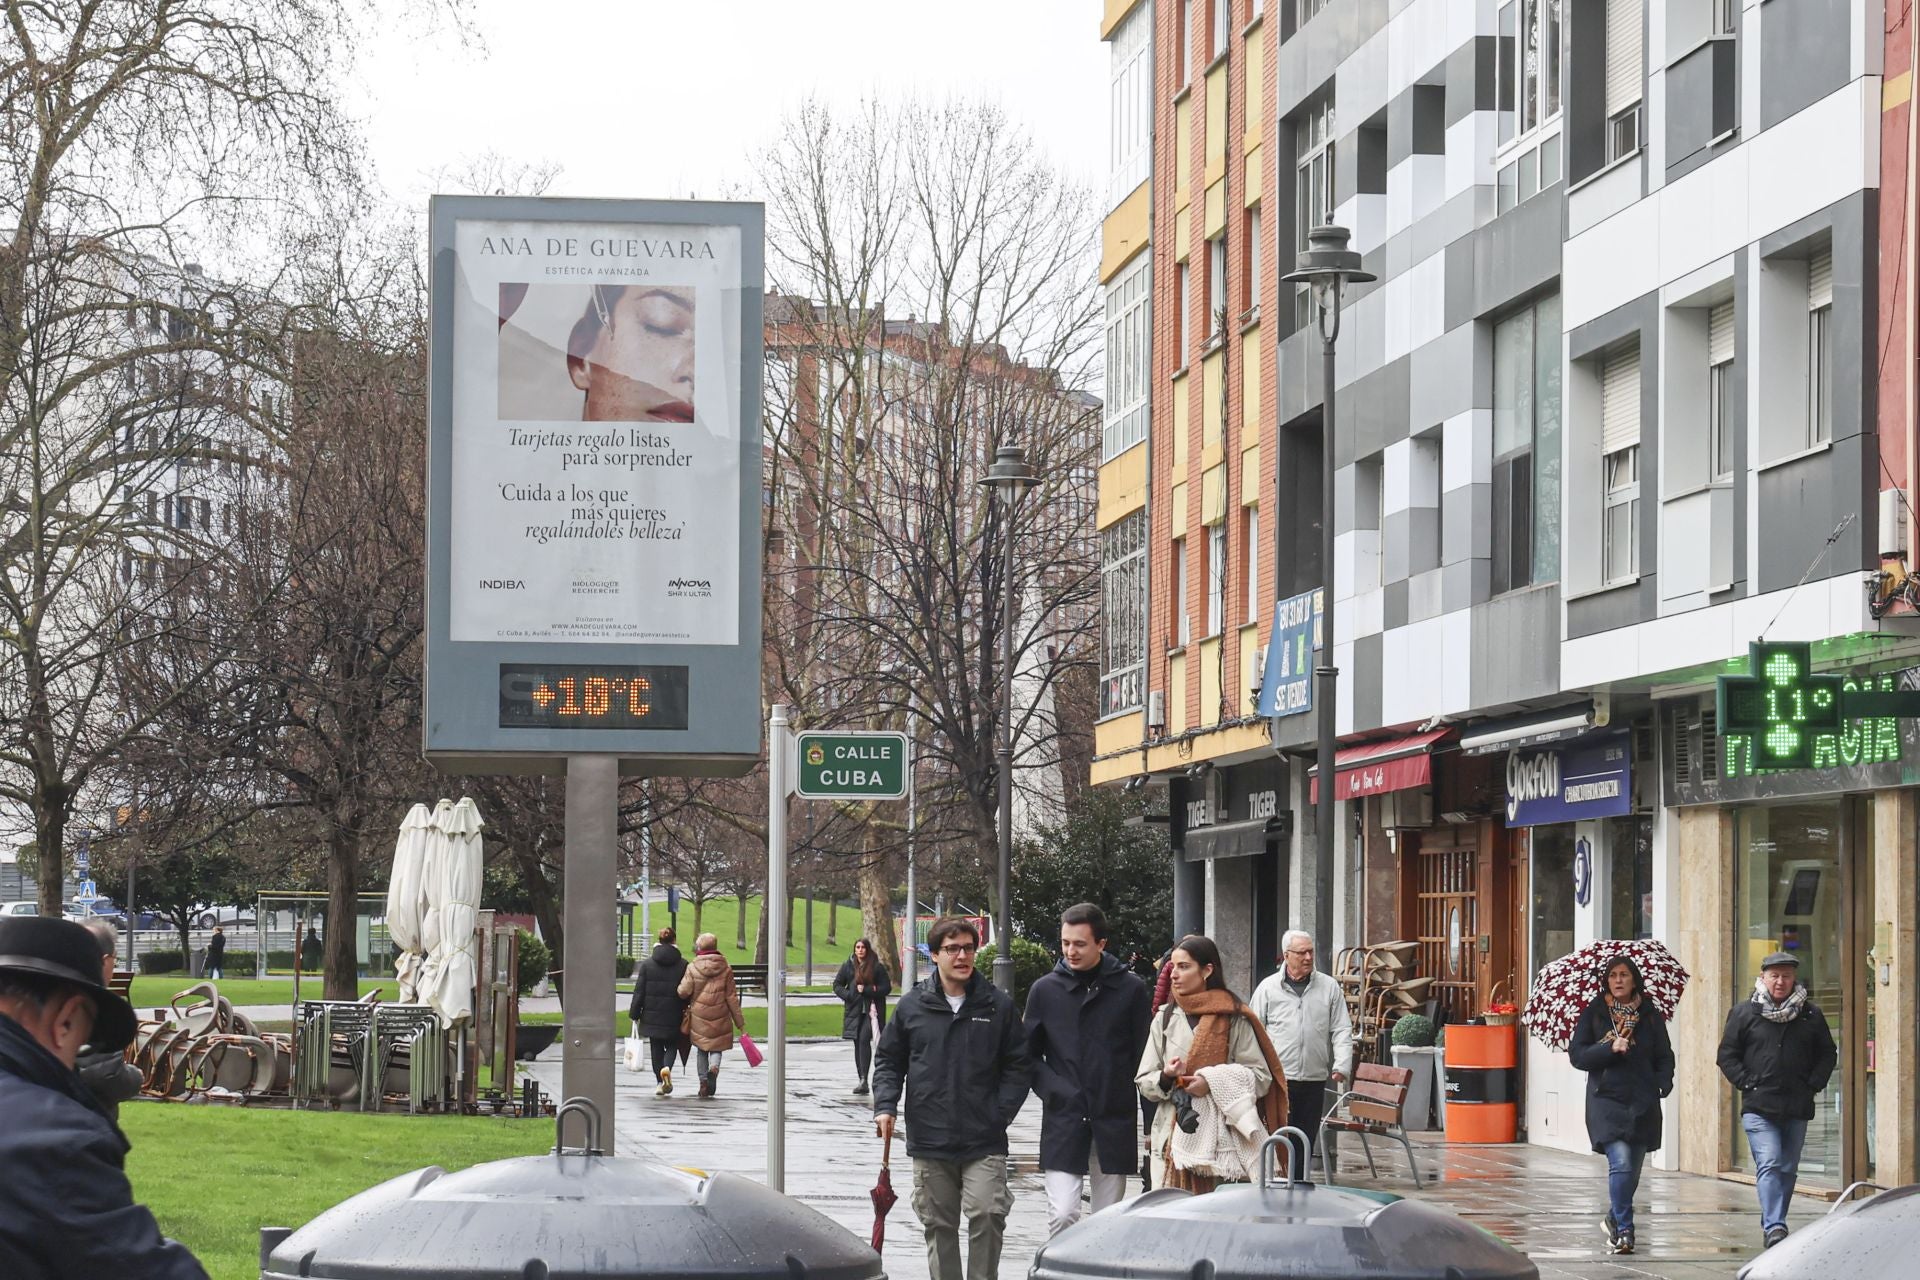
{"type": "Point", "coordinates": [1546, 1203]}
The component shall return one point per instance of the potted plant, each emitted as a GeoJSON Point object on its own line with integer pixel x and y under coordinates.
{"type": "Point", "coordinates": [1412, 1038]}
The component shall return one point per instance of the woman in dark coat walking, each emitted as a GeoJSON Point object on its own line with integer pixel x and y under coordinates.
{"type": "Point", "coordinates": [658, 1008]}
{"type": "Point", "coordinates": [863, 986]}
{"type": "Point", "coordinates": [1621, 1043]}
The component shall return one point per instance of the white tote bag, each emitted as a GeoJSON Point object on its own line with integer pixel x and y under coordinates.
{"type": "Point", "coordinates": [635, 1049]}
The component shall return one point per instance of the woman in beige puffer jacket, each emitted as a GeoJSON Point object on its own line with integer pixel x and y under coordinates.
{"type": "Point", "coordinates": [713, 1008]}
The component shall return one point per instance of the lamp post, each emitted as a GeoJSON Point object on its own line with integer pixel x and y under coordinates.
{"type": "Point", "coordinates": [1327, 266]}
{"type": "Point", "coordinates": [1008, 479]}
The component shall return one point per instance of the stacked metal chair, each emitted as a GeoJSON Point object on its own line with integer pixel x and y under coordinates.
{"type": "Point", "coordinates": [1379, 986]}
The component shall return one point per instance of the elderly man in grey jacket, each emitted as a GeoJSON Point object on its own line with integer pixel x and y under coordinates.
{"type": "Point", "coordinates": [1306, 1017]}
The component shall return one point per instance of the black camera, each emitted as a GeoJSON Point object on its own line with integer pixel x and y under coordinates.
{"type": "Point", "coordinates": [1183, 1113]}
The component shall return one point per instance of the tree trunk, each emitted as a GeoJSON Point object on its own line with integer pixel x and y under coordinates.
{"type": "Point", "coordinates": [760, 936]}
{"type": "Point", "coordinates": [833, 920]}
{"type": "Point", "coordinates": [52, 807]}
{"type": "Point", "coordinates": [343, 885]}
{"type": "Point", "coordinates": [546, 900]}
{"type": "Point", "coordinates": [740, 926]}
{"type": "Point", "coordinates": [699, 910]}
{"type": "Point", "coordinates": [876, 906]}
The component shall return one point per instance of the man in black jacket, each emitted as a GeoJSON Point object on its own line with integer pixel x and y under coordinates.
{"type": "Point", "coordinates": [957, 1048]}
{"type": "Point", "coordinates": [1778, 1051]}
{"type": "Point", "coordinates": [1086, 1027]}
{"type": "Point", "coordinates": [658, 1007]}
{"type": "Point", "coordinates": [66, 1209]}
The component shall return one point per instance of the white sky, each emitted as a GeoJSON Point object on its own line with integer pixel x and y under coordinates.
{"type": "Point", "coordinates": [667, 98]}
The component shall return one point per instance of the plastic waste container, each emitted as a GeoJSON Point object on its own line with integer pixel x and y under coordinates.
{"type": "Point", "coordinates": [1872, 1239]}
{"type": "Point", "coordinates": [1278, 1227]}
{"type": "Point", "coordinates": [1419, 1059]}
{"type": "Point", "coordinates": [568, 1216]}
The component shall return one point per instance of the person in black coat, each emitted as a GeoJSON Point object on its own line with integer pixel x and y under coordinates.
{"type": "Point", "coordinates": [66, 1209]}
{"type": "Point", "coordinates": [863, 986]}
{"type": "Point", "coordinates": [657, 1007]}
{"type": "Point", "coordinates": [1621, 1043]}
{"type": "Point", "coordinates": [1778, 1051]}
{"type": "Point", "coordinates": [1087, 1025]}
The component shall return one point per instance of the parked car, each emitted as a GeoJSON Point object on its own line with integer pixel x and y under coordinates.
{"type": "Point", "coordinates": [104, 907]}
{"type": "Point", "coordinates": [227, 916]}
{"type": "Point", "coordinates": [19, 908]}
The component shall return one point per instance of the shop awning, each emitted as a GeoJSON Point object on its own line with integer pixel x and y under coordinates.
{"type": "Point", "coordinates": [1375, 768]}
{"type": "Point", "coordinates": [1234, 839]}
{"type": "Point", "coordinates": [1537, 730]}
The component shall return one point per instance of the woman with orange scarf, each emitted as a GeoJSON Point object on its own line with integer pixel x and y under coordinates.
{"type": "Point", "coordinates": [1204, 1025]}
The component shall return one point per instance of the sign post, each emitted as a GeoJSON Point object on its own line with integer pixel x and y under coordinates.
{"type": "Point", "coordinates": [776, 907]}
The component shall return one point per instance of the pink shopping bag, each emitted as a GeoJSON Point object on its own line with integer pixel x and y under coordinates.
{"type": "Point", "coordinates": [752, 1050]}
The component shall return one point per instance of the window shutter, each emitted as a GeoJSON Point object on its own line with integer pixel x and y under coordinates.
{"type": "Point", "coordinates": [1623, 54]}
{"type": "Point", "coordinates": [1620, 402]}
{"type": "Point", "coordinates": [1820, 281]}
{"type": "Point", "coordinates": [1720, 334]}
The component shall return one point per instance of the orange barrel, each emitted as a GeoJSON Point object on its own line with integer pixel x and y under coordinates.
{"type": "Point", "coordinates": [1482, 1083]}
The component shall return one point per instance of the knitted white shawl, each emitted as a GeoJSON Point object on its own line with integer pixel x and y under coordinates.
{"type": "Point", "coordinates": [1226, 1146]}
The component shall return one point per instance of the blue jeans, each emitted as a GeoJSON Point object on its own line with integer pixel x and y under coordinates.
{"type": "Point", "coordinates": [1623, 1179]}
{"type": "Point", "coordinates": [1776, 1163]}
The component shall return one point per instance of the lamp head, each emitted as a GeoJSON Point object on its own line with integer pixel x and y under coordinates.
{"type": "Point", "coordinates": [1009, 476]}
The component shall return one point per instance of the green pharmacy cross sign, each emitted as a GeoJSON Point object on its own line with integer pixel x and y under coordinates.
{"type": "Point", "coordinates": [851, 766]}
{"type": "Point", "coordinates": [1790, 718]}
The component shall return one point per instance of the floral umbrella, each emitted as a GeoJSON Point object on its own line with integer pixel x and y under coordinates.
{"type": "Point", "coordinates": [1563, 990]}
{"type": "Point", "coordinates": [406, 900]}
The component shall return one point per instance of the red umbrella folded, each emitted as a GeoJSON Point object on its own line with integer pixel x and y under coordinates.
{"type": "Point", "coordinates": [883, 1197]}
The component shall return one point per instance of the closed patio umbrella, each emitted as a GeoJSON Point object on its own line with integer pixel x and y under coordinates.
{"type": "Point", "coordinates": [458, 881]}
{"type": "Point", "coordinates": [439, 847]}
{"type": "Point", "coordinates": [406, 900]}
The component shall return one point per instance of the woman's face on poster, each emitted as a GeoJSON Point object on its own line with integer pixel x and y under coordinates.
{"type": "Point", "coordinates": [640, 366]}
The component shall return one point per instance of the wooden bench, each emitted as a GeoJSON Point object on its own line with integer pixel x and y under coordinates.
{"type": "Point", "coordinates": [751, 978]}
{"type": "Point", "coordinates": [1372, 1106]}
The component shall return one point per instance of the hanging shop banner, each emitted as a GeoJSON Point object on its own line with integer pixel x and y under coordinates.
{"type": "Point", "coordinates": [1589, 778]}
{"type": "Point", "coordinates": [594, 498]}
{"type": "Point", "coordinates": [1286, 686]}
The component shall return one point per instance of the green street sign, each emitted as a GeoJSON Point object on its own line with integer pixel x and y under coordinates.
{"type": "Point", "coordinates": [851, 766]}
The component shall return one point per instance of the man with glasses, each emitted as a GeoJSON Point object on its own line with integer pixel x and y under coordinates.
{"type": "Point", "coordinates": [1306, 1018]}
{"type": "Point", "coordinates": [1087, 1025]}
{"type": "Point", "coordinates": [956, 1049]}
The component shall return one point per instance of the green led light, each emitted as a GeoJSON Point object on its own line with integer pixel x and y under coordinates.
{"type": "Point", "coordinates": [1782, 670]}
{"type": "Point", "coordinates": [1782, 740]}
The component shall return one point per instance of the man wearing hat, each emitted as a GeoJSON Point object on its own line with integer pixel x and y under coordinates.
{"type": "Point", "coordinates": [1778, 1052]}
{"type": "Point", "coordinates": [66, 1209]}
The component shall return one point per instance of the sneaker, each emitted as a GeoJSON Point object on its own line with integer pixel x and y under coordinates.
{"type": "Point", "coordinates": [1623, 1243]}
{"type": "Point", "coordinates": [1612, 1228]}
{"type": "Point", "coordinates": [1775, 1235]}
{"type": "Point", "coordinates": [861, 1088]}
{"type": "Point", "coordinates": [666, 1083]}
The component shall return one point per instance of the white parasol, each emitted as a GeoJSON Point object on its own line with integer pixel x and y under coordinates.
{"type": "Point", "coordinates": [439, 845]}
{"type": "Point", "coordinates": [406, 900]}
{"type": "Point", "coordinates": [454, 889]}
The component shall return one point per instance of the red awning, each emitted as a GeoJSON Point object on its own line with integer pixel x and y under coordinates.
{"type": "Point", "coordinates": [1375, 768]}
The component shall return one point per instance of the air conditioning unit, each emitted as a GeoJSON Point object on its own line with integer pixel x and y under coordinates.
{"type": "Point", "coordinates": [1893, 522]}
{"type": "Point", "coordinates": [1157, 711]}
{"type": "Point", "coordinates": [1400, 810]}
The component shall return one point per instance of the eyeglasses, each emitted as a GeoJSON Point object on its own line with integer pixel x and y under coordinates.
{"type": "Point", "coordinates": [960, 949]}
{"type": "Point", "coordinates": [1301, 951]}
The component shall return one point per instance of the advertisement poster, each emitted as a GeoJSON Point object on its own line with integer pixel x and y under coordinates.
{"type": "Point", "coordinates": [1286, 686]}
{"type": "Point", "coordinates": [596, 433]}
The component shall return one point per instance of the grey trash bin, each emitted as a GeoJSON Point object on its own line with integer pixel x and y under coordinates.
{"type": "Point", "coordinates": [1278, 1228]}
{"type": "Point", "coordinates": [1873, 1239]}
{"type": "Point", "coordinates": [565, 1217]}
{"type": "Point", "coordinates": [1418, 1111]}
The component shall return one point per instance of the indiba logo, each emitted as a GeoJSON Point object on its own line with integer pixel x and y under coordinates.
{"type": "Point", "coordinates": [502, 584]}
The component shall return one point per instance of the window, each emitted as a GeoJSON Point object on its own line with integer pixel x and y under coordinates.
{"type": "Point", "coordinates": [1181, 310]}
{"type": "Point", "coordinates": [1251, 260]}
{"type": "Point", "coordinates": [1182, 628]}
{"type": "Point", "coordinates": [1620, 466]}
{"type": "Point", "coordinates": [1313, 190]}
{"type": "Point", "coordinates": [1216, 579]}
{"type": "Point", "coordinates": [1128, 348]}
{"type": "Point", "coordinates": [1129, 157]}
{"type": "Point", "coordinates": [1183, 34]}
{"type": "Point", "coordinates": [1720, 391]}
{"type": "Point", "coordinates": [1820, 349]}
{"type": "Point", "coordinates": [1216, 288]}
{"type": "Point", "coordinates": [1526, 447]}
{"type": "Point", "coordinates": [1250, 555]}
{"type": "Point", "coordinates": [1305, 9]}
{"type": "Point", "coordinates": [1529, 72]}
{"type": "Point", "coordinates": [1624, 21]}
{"type": "Point", "coordinates": [1221, 20]}
{"type": "Point", "coordinates": [1123, 613]}
{"type": "Point", "coordinates": [1723, 16]}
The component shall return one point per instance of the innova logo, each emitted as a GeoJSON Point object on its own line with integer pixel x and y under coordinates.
{"type": "Point", "coordinates": [689, 587]}
{"type": "Point", "coordinates": [502, 584]}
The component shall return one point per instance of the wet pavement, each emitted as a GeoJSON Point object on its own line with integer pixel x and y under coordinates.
{"type": "Point", "coordinates": [1547, 1203]}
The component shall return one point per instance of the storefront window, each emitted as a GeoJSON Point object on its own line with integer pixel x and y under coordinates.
{"type": "Point", "coordinates": [1630, 873]}
{"type": "Point", "coordinates": [1552, 881]}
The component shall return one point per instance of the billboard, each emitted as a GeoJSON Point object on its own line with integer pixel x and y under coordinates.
{"type": "Point", "coordinates": [594, 482]}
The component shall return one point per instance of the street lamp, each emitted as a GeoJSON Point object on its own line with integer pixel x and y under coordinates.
{"type": "Point", "coordinates": [1008, 479]}
{"type": "Point", "coordinates": [1327, 266]}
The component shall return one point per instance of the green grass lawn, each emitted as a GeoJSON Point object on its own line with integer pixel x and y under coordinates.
{"type": "Point", "coordinates": [155, 991]}
{"type": "Point", "coordinates": [720, 917]}
{"type": "Point", "coordinates": [812, 1019]}
{"type": "Point", "coordinates": [214, 1176]}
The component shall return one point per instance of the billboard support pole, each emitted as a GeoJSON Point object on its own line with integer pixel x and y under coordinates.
{"type": "Point", "coordinates": [776, 908]}
{"type": "Point", "coordinates": [586, 1067]}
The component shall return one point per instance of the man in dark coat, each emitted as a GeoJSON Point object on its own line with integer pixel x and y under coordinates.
{"type": "Point", "coordinates": [1778, 1051]}
{"type": "Point", "coordinates": [1621, 1043]}
{"type": "Point", "coordinates": [956, 1049]}
{"type": "Point", "coordinates": [66, 1209]}
{"type": "Point", "coordinates": [658, 1007]}
{"type": "Point", "coordinates": [1086, 1025]}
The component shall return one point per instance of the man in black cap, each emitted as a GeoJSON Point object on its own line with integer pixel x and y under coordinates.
{"type": "Point", "coordinates": [1778, 1052]}
{"type": "Point", "coordinates": [66, 1209]}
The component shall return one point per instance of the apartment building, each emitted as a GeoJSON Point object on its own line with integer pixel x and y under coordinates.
{"type": "Point", "coordinates": [1634, 387]}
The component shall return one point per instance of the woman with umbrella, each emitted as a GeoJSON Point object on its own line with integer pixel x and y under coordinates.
{"type": "Point", "coordinates": [863, 986]}
{"type": "Point", "coordinates": [1620, 1041]}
